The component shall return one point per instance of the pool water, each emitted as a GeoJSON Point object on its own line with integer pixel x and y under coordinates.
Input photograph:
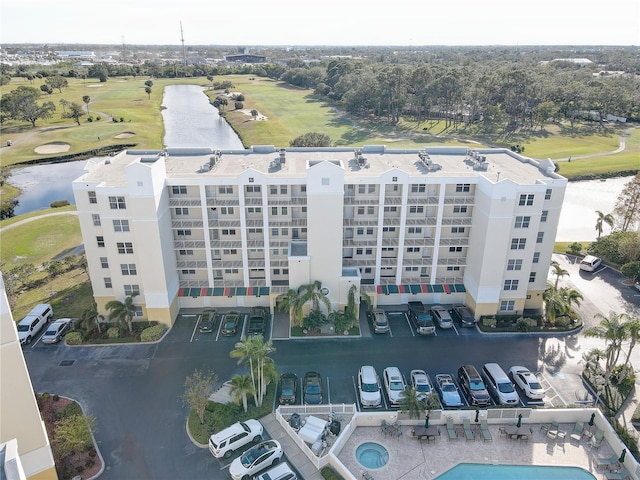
{"type": "Point", "coordinates": [475, 471]}
{"type": "Point", "coordinates": [372, 455]}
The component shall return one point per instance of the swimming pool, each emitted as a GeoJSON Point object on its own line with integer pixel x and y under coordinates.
{"type": "Point", "coordinates": [476, 471]}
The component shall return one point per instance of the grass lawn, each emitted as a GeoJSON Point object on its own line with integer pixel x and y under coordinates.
{"type": "Point", "coordinates": [7, 192]}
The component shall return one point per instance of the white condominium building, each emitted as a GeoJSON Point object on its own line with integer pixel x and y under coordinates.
{"type": "Point", "coordinates": [190, 228]}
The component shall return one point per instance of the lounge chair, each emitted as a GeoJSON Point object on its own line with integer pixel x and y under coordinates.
{"type": "Point", "coordinates": [466, 426]}
{"type": "Point", "coordinates": [547, 427]}
{"type": "Point", "coordinates": [577, 432]}
{"type": "Point", "coordinates": [484, 429]}
{"type": "Point", "coordinates": [606, 462]}
{"type": "Point", "coordinates": [623, 474]}
{"type": "Point", "coordinates": [451, 430]}
{"type": "Point", "coordinates": [596, 440]}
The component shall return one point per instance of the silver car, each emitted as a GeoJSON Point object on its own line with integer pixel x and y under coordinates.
{"type": "Point", "coordinates": [57, 330]}
{"type": "Point", "coordinates": [442, 316]}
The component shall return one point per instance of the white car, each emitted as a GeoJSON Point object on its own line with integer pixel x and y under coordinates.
{"type": "Point", "coordinates": [442, 316]}
{"type": "Point", "coordinates": [56, 330]}
{"type": "Point", "coordinates": [528, 382]}
{"type": "Point", "coordinates": [369, 387]}
{"type": "Point", "coordinates": [280, 472]}
{"type": "Point", "coordinates": [420, 381]}
{"type": "Point", "coordinates": [225, 442]}
{"type": "Point", "coordinates": [394, 384]}
{"type": "Point", "coordinates": [257, 458]}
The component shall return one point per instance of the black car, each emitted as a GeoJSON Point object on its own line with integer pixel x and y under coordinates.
{"type": "Point", "coordinates": [288, 389]}
{"type": "Point", "coordinates": [464, 315]}
{"type": "Point", "coordinates": [231, 322]}
{"type": "Point", "coordinates": [312, 385]}
{"type": "Point", "coordinates": [208, 321]}
{"type": "Point", "coordinates": [473, 386]}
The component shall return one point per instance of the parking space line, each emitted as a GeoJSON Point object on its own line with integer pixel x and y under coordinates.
{"type": "Point", "coordinates": [406, 317]}
{"type": "Point", "coordinates": [195, 328]}
{"type": "Point", "coordinates": [219, 327]}
{"type": "Point", "coordinates": [328, 391]}
{"type": "Point", "coordinates": [455, 329]}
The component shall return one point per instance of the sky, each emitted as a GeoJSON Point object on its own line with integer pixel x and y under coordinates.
{"type": "Point", "coordinates": [322, 22]}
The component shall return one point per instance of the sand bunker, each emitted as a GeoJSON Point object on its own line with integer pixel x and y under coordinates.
{"type": "Point", "coordinates": [55, 147]}
{"type": "Point", "coordinates": [247, 112]}
{"type": "Point", "coordinates": [125, 135]}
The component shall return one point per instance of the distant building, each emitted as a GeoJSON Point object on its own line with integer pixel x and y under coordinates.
{"type": "Point", "coordinates": [197, 228]}
{"type": "Point", "coordinates": [246, 58]}
{"type": "Point", "coordinates": [76, 54]}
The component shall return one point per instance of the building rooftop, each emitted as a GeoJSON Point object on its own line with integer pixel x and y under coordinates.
{"type": "Point", "coordinates": [369, 161]}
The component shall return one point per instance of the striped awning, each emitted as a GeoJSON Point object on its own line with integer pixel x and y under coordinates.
{"type": "Point", "coordinates": [421, 288]}
{"type": "Point", "coordinates": [223, 292]}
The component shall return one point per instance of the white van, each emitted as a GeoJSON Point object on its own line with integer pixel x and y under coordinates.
{"type": "Point", "coordinates": [590, 263]}
{"type": "Point", "coordinates": [500, 384]}
{"type": "Point", "coordinates": [35, 321]}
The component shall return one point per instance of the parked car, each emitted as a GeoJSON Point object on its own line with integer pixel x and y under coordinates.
{"type": "Point", "coordinates": [57, 330]}
{"type": "Point", "coordinates": [288, 389]}
{"type": "Point", "coordinates": [231, 322]}
{"type": "Point", "coordinates": [464, 315]}
{"type": "Point", "coordinates": [449, 393]}
{"type": "Point", "coordinates": [421, 318]}
{"type": "Point", "coordinates": [420, 381]}
{"type": "Point", "coordinates": [527, 381]}
{"type": "Point", "coordinates": [225, 442]}
{"type": "Point", "coordinates": [500, 384]}
{"type": "Point", "coordinates": [255, 459]}
{"type": "Point", "coordinates": [207, 322]}
{"type": "Point", "coordinates": [34, 322]}
{"type": "Point", "coordinates": [380, 321]}
{"type": "Point", "coordinates": [369, 387]}
{"type": "Point", "coordinates": [473, 386]}
{"type": "Point", "coordinates": [394, 384]}
{"type": "Point", "coordinates": [312, 385]}
{"type": "Point", "coordinates": [279, 472]}
{"type": "Point", "coordinates": [442, 316]}
{"type": "Point", "coordinates": [590, 263]}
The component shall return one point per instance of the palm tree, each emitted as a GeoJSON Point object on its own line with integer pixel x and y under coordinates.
{"type": "Point", "coordinates": [570, 296]}
{"type": "Point", "coordinates": [89, 315]}
{"type": "Point", "coordinates": [313, 293]}
{"type": "Point", "coordinates": [291, 302]}
{"type": "Point", "coordinates": [86, 99]}
{"type": "Point", "coordinates": [558, 271]}
{"type": "Point", "coordinates": [633, 334]}
{"type": "Point", "coordinates": [613, 330]}
{"type": "Point", "coordinates": [122, 311]}
{"type": "Point", "coordinates": [411, 404]}
{"type": "Point", "coordinates": [245, 352]}
{"type": "Point", "coordinates": [560, 302]}
{"type": "Point", "coordinates": [602, 218]}
{"type": "Point", "coordinates": [262, 350]}
{"type": "Point", "coordinates": [241, 386]}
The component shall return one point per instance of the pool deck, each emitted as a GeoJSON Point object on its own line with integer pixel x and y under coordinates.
{"type": "Point", "coordinates": [413, 459]}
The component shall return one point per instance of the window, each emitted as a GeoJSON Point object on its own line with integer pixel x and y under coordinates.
{"type": "Point", "coordinates": [131, 290]}
{"type": "Point", "coordinates": [182, 211]}
{"type": "Point", "coordinates": [273, 189]}
{"type": "Point", "coordinates": [360, 231]}
{"type": "Point", "coordinates": [547, 194]}
{"type": "Point", "coordinates": [225, 189]}
{"type": "Point", "coordinates": [254, 230]}
{"type": "Point", "coordinates": [511, 284]}
{"type": "Point", "coordinates": [371, 210]}
{"type": "Point", "coordinates": [536, 257]}
{"type": "Point", "coordinates": [184, 232]}
{"type": "Point", "coordinates": [460, 209]}
{"type": "Point", "coordinates": [410, 269]}
{"type": "Point", "coordinates": [359, 251]}
{"type": "Point", "coordinates": [369, 251]}
{"type": "Point", "coordinates": [188, 271]}
{"type": "Point", "coordinates": [388, 229]}
{"type": "Point", "coordinates": [544, 215]}
{"type": "Point", "coordinates": [252, 188]}
{"type": "Point", "coordinates": [362, 188]}
{"type": "Point", "coordinates": [507, 305]}
{"type": "Point", "coordinates": [455, 249]}
{"type": "Point", "coordinates": [285, 210]}
{"type": "Point", "coordinates": [230, 251]}
{"type": "Point", "coordinates": [179, 189]}
{"type": "Point", "coordinates": [100, 241]}
{"type": "Point", "coordinates": [514, 264]}
{"type": "Point", "coordinates": [416, 209]}
{"type": "Point", "coordinates": [117, 203]}
{"type": "Point", "coordinates": [125, 247]}
{"type": "Point", "coordinates": [418, 188]}
{"type": "Point", "coordinates": [283, 189]}
{"type": "Point", "coordinates": [92, 197]}
{"type": "Point", "coordinates": [185, 252]}
{"type": "Point", "coordinates": [128, 269]}
{"type": "Point", "coordinates": [137, 311]}
{"type": "Point", "coordinates": [369, 231]}
{"type": "Point", "coordinates": [104, 262]}
{"type": "Point", "coordinates": [107, 282]}
{"type": "Point", "coordinates": [275, 232]}
{"type": "Point", "coordinates": [518, 243]}
{"type": "Point", "coordinates": [284, 232]}
{"type": "Point", "coordinates": [457, 229]}
{"type": "Point", "coordinates": [463, 187]}
{"type": "Point", "coordinates": [226, 211]}
{"type": "Point", "coordinates": [253, 210]}
{"type": "Point", "coordinates": [522, 222]}
{"type": "Point", "coordinates": [96, 220]}
{"type": "Point", "coordinates": [230, 270]}
{"type": "Point", "coordinates": [390, 209]}
{"type": "Point", "coordinates": [453, 268]}
{"type": "Point", "coordinates": [228, 231]}
{"type": "Point", "coordinates": [526, 199]}
{"type": "Point", "coordinates": [360, 210]}
{"type": "Point", "coordinates": [532, 277]}
{"type": "Point", "coordinates": [367, 270]}
{"type": "Point", "coordinates": [274, 210]}
{"type": "Point", "coordinates": [414, 230]}
{"type": "Point", "coordinates": [540, 237]}
{"type": "Point", "coordinates": [371, 188]}
{"type": "Point", "coordinates": [121, 225]}
{"type": "Point", "coordinates": [276, 271]}
{"type": "Point", "coordinates": [413, 249]}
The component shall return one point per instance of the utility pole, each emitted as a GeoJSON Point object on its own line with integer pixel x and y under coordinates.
{"type": "Point", "coordinates": [184, 54]}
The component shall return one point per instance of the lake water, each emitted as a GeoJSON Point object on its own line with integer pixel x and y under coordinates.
{"type": "Point", "coordinates": [189, 121]}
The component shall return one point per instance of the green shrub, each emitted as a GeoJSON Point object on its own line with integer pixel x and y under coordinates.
{"type": "Point", "coordinates": [72, 409]}
{"type": "Point", "coordinates": [563, 322]}
{"type": "Point", "coordinates": [489, 322]}
{"type": "Point", "coordinates": [153, 334]}
{"type": "Point", "coordinates": [575, 248]}
{"type": "Point", "coordinates": [329, 474]}
{"type": "Point", "coordinates": [59, 203]}
{"type": "Point", "coordinates": [113, 332]}
{"type": "Point", "coordinates": [73, 338]}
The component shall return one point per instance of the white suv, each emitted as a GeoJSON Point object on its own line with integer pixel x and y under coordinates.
{"type": "Point", "coordinates": [223, 444]}
{"type": "Point", "coordinates": [369, 387]}
{"type": "Point", "coordinates": [590, 263]}
{"type": "Point", "coordinates": [442, 316]}
{"type": "Point", "coordinates": [394, 384]}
